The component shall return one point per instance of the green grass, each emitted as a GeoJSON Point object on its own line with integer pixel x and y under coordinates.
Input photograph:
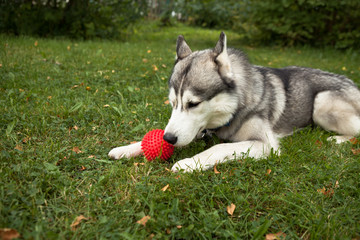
{"type": "Point", "coordinates": [62, 95]}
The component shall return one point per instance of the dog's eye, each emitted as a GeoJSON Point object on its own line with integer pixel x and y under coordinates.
{"type": "Point", "coordinates": [193, 104]}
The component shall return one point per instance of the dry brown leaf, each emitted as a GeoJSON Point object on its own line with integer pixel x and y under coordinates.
{"type": "Point", "coordinates": [178, 226]}
{"type": "Point", "coordinates": [92, 156]}
{"type": "Point", "coordinates": [18, 147]}
{"type": "Point", "coordinates": [76, 150]}
{"type": "Point", "coordinates": [36, 43]}
{"type": "Point", "coordinates": [145, 60]}
{"type": "Point", "coordinates": [8, 234]}
{"type": "Point", "coordinates": [230, 209]}
{"type": "Point", "coordinates": [327, 192]}
{"type": "Point", "coordinates": [275, 236]}
{"type": "Point", "coordinates": [355, 151]}
{"type": "Point", "coordinates": [322, 190]}
{"type": "Point", "coordinates": [215, 170]}
{"type": "Point", "coordinates": [319, 143]}
{"type": "Point", "coordinates": [144, 220]}
{"type": "Point", "coordinates": [26, 139]}
{"type": "Point", "coordinates": [77, 221]}
{"type": "Point", "coordinates": [330, 192]}
{"type": "Point", "coordinates": [354, 141]}
{"type": "Point", "coordinates": [268, 171]}
{"type": "Point", "coordinates": [337, 184]}
{"type": "Point", "coordinates": [137, 164]}
{"type": "Point", "coordinates": [165, 188]}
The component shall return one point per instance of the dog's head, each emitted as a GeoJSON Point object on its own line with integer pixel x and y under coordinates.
{"type": "Point", "coordinates": [201, 91]}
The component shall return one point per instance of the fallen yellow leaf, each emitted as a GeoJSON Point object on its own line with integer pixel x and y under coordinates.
{"type": "Point", "coordinates": [26, 139]}
{"type": "Point", "coordinates": [230, 209]}
{"type": "Point", "coordinates": [322, 190]}
{"type": "Point", "coordinates": [144, 220]}
{"type": "Point", "coordinates": [275, 236]}
{"type": "Point", "coordinates": [165, 188]}
{"type": "Point", "coordinates": [76, 150]}
{"type": "Point", "coordinates": [18, 147]}
{"type": "Point", "coordinates": [77, 221]}
{"type": "Point", "coordinates": [137, 164]}
{"type": "Point", "coordinates": [215, 170]}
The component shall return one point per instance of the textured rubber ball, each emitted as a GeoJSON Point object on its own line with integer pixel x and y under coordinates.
{"type": "Point", "coordinates": [153, 146]}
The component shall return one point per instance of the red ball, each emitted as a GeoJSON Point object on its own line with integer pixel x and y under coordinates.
{"type": "Point", "coordinates": [153, 145]}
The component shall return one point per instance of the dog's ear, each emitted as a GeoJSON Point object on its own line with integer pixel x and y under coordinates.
{"type": "Point", "coordinates": [182, 49]}
{"type": "Point", "coordinates": [221, 55]}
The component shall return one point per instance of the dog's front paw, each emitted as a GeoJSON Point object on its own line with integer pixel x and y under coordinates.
{"type": "Point", "coordinates": [119, 152]}
{"type": "Point", "coordinates": [189, 165]}
{"type": "Point", "coordinates": [128, 151]}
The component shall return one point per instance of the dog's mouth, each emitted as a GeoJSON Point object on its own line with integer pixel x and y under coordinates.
{"type": "Point", "coordinates": [201, 133]}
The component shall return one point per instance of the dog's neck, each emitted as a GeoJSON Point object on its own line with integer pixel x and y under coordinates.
{"type": "Point", "coordinates": [212, 130]}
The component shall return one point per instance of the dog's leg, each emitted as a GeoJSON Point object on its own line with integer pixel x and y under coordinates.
{"type": "Point", "coordinates": [128, 151]}
{"type": "Point", "coordinates": [222, 153]}
{"type": "Point", "coordinates": [336, 112]}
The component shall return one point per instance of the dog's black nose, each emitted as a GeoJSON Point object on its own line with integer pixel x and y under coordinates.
{"type": "Point", "coordinates": [170, 138]}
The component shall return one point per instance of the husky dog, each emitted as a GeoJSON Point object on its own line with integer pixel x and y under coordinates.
{"type": "Point", "coordinates": [218, 91]}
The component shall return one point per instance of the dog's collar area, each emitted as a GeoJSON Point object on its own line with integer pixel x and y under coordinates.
{"type": "Point", "coordinates": [212, 130]}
